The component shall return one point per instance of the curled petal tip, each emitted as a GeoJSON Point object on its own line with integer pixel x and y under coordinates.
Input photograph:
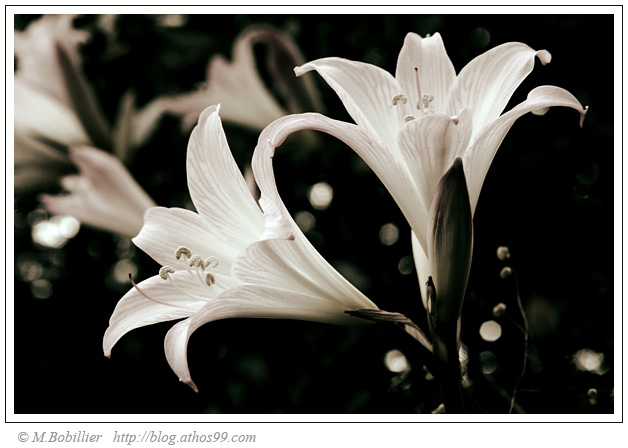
{"type": "Point", "coordinates": [544, 56]}
{"type": "Point", "coordinates": [582, 115]}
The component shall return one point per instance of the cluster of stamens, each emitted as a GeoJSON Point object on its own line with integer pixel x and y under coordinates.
{"type": "Point", "coordinates": [194, 264]}
{"type": "Point", "coordinates": [424, 104]}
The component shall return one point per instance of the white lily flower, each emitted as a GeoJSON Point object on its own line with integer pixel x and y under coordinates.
{"type": "Point", "coordinates": [410, 128]}
{"type": "Point", "coordinates": [103, 195]}
{"type": "Point", "coordinates": [56, 106]}
{"type": "Point", "coordinates": [230, 258]}
{"type": "Point", "coordinates": [238, 86]}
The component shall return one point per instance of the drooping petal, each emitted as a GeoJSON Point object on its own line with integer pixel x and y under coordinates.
{"type": "Point", "coordinates": [367, 93]}
{"type": "Point", "coordinates": [429, 145]}
{"type": "Point", "coordinates": [217, 187]}
{"type": "Point", "coordinates": [450, 243]}
{"type": "Point", "coordinates": [487, 83]}
{"type": "Point", "coordinates": [104, 195]}
{"type": "Point", "coordinates": [252, 302]}
{"type": "Point", "coordinates": [167, 302]}
{"type": "Point", "coordinates": [167, 229]}
{"type": "Point", "coordinates": [389, 167]}
{"type": "Point", "coordinates": [479, 156]}
{"type": "Point", "coordinates": [423, 64]}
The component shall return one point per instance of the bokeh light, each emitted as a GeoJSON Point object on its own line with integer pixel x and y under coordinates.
{"type": "Point", "coordinates": [588, 360]}
{"type": "Point", "coordinates": [490, 331]}
{"type": "Point", "coordinates": [389, 234]}
{"type": "Point", "coordinates": [56, 231]}
{"type": "Point", "coordinates": [320, 195]}
{"type": "Point", "coordinates": [406, 265]}
{"type": "Point", "coordinates": [396, 361]}
{"type": "Point", "coordinates": [305, 220]}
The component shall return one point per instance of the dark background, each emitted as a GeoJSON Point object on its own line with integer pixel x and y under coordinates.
{"type": "Point", "coordinates": [548, 196]}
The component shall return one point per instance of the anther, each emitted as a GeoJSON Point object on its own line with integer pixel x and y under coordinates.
{"type": "Point", "coordinates": [165, 270]}
{"type": "Point", "coordinates": [399, 97]}
{"type": "Point", "coordinates": [197, 260]}
{"type": "Point", "coordinates": [408, 118]}
{"type": "Point", "coordinates": [182, 251]}
{"type": "Point", "coordinates": [427, 99]}
{"type": "Point", "coordinates": [211, 262]}
{"type": "Point", "coordinates": [210, 279]}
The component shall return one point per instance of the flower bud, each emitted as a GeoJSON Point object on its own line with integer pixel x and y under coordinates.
{"type": "Point", "coordinates": [450, 243]}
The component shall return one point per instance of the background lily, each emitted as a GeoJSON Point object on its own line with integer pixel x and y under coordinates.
{"type": "Point", "coordinates": [238, 85]}
{"type": "Point", "coordinates": [230, 258]}
{"type": "Point", "coordinates": [410, 127]}
{"type": "Point", "coordinates": [103, 195]}
{"type": "Point", "coordinates": [56, 106]}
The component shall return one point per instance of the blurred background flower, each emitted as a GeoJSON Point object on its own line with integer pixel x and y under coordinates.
{"type": "Point", "coordinates": [550, 204]}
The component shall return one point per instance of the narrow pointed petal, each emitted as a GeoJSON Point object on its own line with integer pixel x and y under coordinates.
{"type": "Point", "coordinates": [479, 157]}
{"type": "Point", "coordinates": [367, 92]}
{"type": "Point", "coordinates": [252, 302]}
{"type": "Point", "coordinates": [103, 196]}
{"type": "Point", "coordinates": [487, 83]}
{"type": "Point", "coordinates": [450, 243]}
{"type": "Point", "coordinates": [167, 229]}
{"type": "Point", "coordinates": [217, 188]}
{"type": "Point", "coordinates": [436, 73]}
{"type": "Point", "coordinates": [429, 145]}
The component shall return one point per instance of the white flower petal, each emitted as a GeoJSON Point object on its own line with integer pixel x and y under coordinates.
{"type": "Point", "coordinates": [422, 265]}
{"type": "Point", "coordinates": [166, 303]}
{"type": "Point", "coordinates": [294, 265]}
{"type": "Point", "coordinates": [367, 93]}
{"type": "Point", "coordinates": [104, 195]}
{"type": "Point", "coordinates": [252, 302]}
{"type": "Point", "coordinates": [429, 145]}
{"type": "Point", "coordinates": [435, 73]}
{"type": "Point", "coordinates": [479, 157]}
{"type": "Point", "coordinates": [218, 190]}
{"type": "Point", "coordinates": [167, 229]}
{"type": "Point", "coordinates": [390, 168]}
{"type": "Point", "coordinates": [487, 83]}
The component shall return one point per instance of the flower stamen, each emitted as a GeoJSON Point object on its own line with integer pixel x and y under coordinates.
{"type": "Point", "coordinates": [165, 272]}
{"type": "Point", "coordinates": [399, 97]}
{"type": "Point", "coordinates": [152, 299]}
